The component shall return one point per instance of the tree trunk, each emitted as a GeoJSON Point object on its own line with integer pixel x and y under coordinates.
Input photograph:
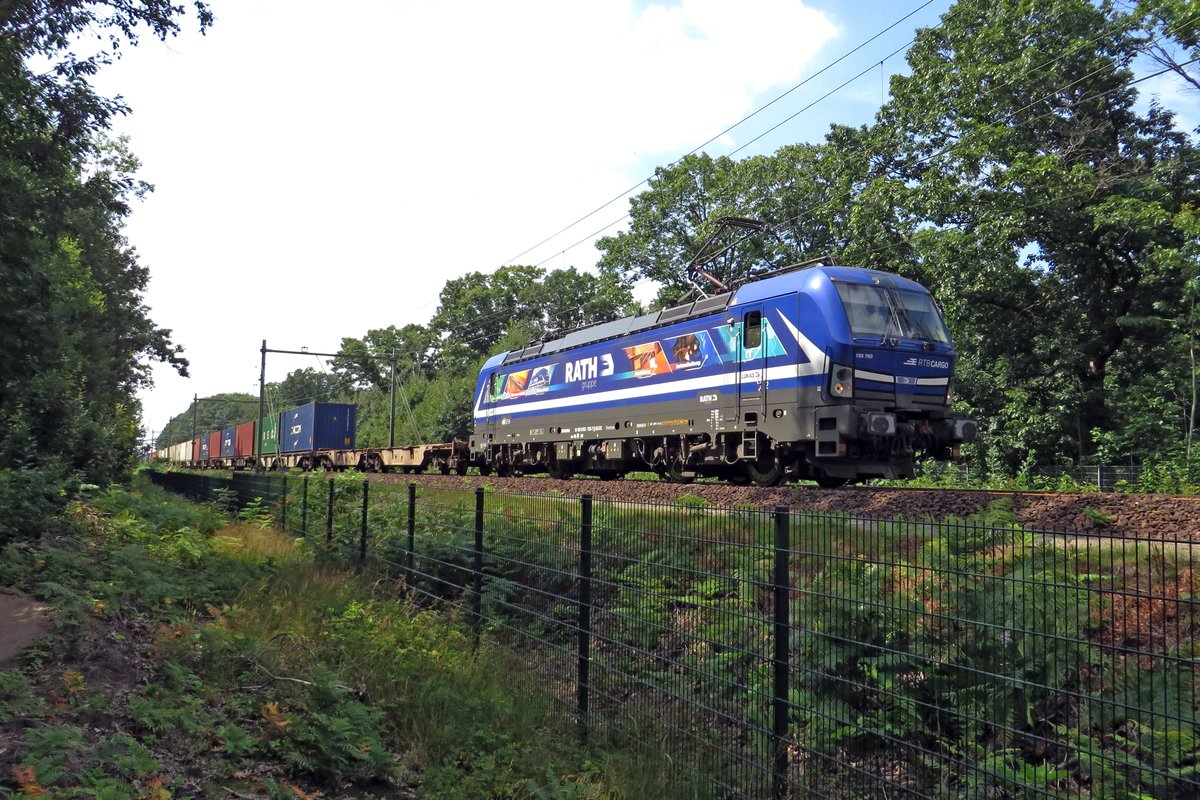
{"type": "Point", "coordinates": [1191, 422]}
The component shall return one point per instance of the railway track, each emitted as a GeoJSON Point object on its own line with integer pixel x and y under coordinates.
{"type": "Point", "coordinates": [1168, 517]}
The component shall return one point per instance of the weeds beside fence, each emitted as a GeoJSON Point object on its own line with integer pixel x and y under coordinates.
{"type": "Point", "coordinates": [782, 654]}
{"type": "Point", "coordinates": [1164, 478]}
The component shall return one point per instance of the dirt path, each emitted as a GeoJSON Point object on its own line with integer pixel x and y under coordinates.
{"type": "Point", "coordinates": [22, 619]}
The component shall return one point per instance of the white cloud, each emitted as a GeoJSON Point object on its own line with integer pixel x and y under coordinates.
{"type": "Point", "coordinates": [324, 169]}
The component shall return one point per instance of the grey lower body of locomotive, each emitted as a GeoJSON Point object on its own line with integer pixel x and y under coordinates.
{"type": "Point", "coordinates": [757, 435]}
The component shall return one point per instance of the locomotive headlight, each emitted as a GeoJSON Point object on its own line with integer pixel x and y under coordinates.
{"type": "Point", "coordinates": [841, 381]}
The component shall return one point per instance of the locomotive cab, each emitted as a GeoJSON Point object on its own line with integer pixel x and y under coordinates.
{"type": "Point", "coordinates": [889, 382]}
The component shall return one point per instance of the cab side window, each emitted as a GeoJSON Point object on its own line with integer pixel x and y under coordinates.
{"type": "Point", "coordinates": [751, 330]}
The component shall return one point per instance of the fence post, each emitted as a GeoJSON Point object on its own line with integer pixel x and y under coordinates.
{"type": "Point", "coordinates": [585, 613]}
{"type": "Point", "coordinates": [304, 508]}
{"type": "Point", "coordinates": [329, 516]}
{"type": "Point", "coordinates": [283, 507]}
{"type": "Point", "coordinates": [478, 566]}
{"type": "Point", "coordinates": [412, 527]}
{"type": "Point", "coordinates": [782, 589]}
{"type": "Point", "coordinates": [362, 536]}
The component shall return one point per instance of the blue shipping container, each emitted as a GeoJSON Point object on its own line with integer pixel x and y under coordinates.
{"type": "Point", "coordinates": [317, 426]}
{"type": "Point", "coordinates": [228, 436]}
{"type": "Point", "coordinates": [204, 448]}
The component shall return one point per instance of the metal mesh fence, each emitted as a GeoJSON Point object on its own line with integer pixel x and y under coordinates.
{"type": "Point", "coordinates": [1165, 478]}
{"type": "Point", "coordinates": [782, 654]}
{"type": "Point", "coordinates": [1125, 477]}
{"type": "Point", "coordinates": [234, 491]}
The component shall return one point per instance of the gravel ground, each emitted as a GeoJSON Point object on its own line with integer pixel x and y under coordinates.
{"type": "Point", "coordinates": [1126, 515]}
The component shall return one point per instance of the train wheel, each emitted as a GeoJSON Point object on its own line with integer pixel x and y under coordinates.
{"type": "Point", "coordinates": [560, 470]}
{"type": "Point", "coordinates": [460, 468]}
{"type": "Point", "coordinates": [830, 482]}
{"type": "Point", "coordinates": [485, 470]}
{"type": "Point", "coordinates": [767, 473]}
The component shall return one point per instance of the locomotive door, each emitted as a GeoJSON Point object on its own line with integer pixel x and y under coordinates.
{"type": "Point", "coordinates": [752, 366]}
{"type": "Point", "coordinates": [490, 391]}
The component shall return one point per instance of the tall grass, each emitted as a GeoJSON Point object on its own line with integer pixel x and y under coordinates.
{"type": "Point", "coordinates": [261, 670]}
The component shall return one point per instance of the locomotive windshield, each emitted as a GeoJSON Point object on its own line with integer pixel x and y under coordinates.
{"type": "Point", "coordinates": [881, 313]}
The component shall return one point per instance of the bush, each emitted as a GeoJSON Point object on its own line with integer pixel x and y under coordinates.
{"type": "Point", "coordinates": [31, 498]}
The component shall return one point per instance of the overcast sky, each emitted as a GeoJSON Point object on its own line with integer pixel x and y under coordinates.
{"type": "Point", "coordinates": [318, 175]}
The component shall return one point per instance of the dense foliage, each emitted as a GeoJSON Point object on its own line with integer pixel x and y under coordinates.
{"type": "Point", "coordinates": [207, 414]}
{"type": "Point", "coordinates": [195, 654]}
{"type": "Point", "coordinates": [75, 337]}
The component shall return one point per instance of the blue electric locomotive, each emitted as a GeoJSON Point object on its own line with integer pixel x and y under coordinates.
{"type": "Point", "coordinates": [828, 373]}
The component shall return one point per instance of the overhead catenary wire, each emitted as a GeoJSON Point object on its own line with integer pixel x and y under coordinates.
{"type": "Point", "coordinates": [864, 43]}
{"type": "Point", "coordinates": [644, 281]}
{"type": "Point", "coordinates": [820, 99]}
{"type": "Point", "coordinates": [1061, 56]}
{"type": "Point", "coordinates": [718, 136]}
{"type": "Point", "coordinates": [945, 151]}
{"type": "Point", "coordinates": [724, 132]}
{"type": "Point", "coordinates": [1116, 25]}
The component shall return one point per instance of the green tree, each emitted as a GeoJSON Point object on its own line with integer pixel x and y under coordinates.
{"type": "Point", "coordinates": [1020, 130]}
{"type": "Point", "coordinates": [826, 199]}
{"type": "Point", "coordinates": [671, 220]}
{"type": "Point", "coordinates": [1171, 35]}
{"type": "Point", "coordinates": [210, 414]}
{"type": "Point", "coordinates": [75, 337]}
{"type": "Point", "coordinates": [303, 386]}
{"type": "Point", "coordinates": [368, 361]}
{"type": "Point", "coordinates": [523, 304]}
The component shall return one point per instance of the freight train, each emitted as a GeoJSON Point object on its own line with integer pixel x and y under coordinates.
{"type": "Point", "coordinates": [827, 373]}
{"type": "Point", "coordinates": [312, 436]}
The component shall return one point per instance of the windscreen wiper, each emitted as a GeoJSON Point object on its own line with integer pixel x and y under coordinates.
{"type": "Point", "coordinates": [918, 329]}
{"type": "Point", "coordinates": [885, 340]}
{"type": "Point", "coordinates": [922, 332]}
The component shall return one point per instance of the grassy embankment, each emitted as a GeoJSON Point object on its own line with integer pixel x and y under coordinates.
{"type": "Point", "coordinates": [946, 657]}
{"type": "Point", "coordinates": [195, 655]}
